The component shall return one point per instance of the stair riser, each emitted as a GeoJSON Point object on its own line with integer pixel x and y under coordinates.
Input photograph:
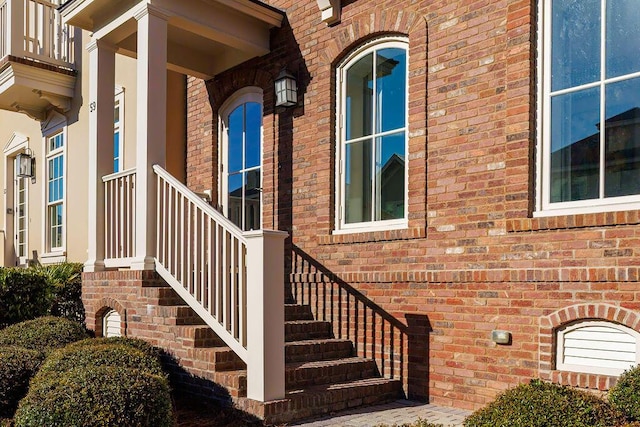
{"type": "Point", "coordinates": [297, 312]}
{"type": "Point", "coordinates": [341, 373]}
{"type": "Point", "coordinates": [307, 330]}
{"type": "Point", "coordinates": [320, 350]}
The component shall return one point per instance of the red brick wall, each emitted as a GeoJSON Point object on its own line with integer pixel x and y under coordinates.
{"type": "Point", "coordinates": [472, 259]}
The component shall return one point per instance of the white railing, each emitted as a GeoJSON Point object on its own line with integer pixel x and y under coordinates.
{"type": "Point", "coordinates": [206, 253]}
{"type": "Point", "coordinates": [120, 218]}
{"type": "Point", "coordinates": [232, 280]}
{"type": "Point", "coordinates": [33, 29]}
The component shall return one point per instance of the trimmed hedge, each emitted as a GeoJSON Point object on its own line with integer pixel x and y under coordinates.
{"type": "Point", "coordinates": [98, 397]}
{"type": "Point", "coordinates": [625, 394]}
{"type": "Point", "coordinates": [540, 404]}
{"type": "Point", "coordinates": [42, 334]}
{"type": "Point", "coordinates": [90, 356]}
{"type": "Point", "coordinates": [24, 295]}
{"type": "Point", "coordinates": [136, 343]}
{"type": "Point", "coordinates": [17, 367]}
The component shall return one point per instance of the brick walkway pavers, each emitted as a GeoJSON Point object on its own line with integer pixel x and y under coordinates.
{"type": "Point", "coordinates": [398, 412]}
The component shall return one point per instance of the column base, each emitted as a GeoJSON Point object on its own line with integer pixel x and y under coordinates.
{"type": "Point", "coordinates": [146, 263]}
{"type": "Point", "coordinates": [91, 266]}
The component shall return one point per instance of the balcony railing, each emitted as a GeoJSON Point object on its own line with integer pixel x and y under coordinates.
{"type": "Point", "coordinates": [120, 218]}
{"type": "Point", "coordinates": [33, 29]}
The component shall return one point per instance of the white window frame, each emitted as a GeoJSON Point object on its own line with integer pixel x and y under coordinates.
{"type": "Point", "coordinates": [242, 96]}
{"type": "Point", "coordinates": [341, 227]}
{"type": "Point", "coordinates": [19, 182]}
{"type": "Point", "coordinates": [53, 253]}
{"type": "Point", "coordinates": [544, 207]}
{"type": "Point", "coordinates": [561, 366]}
{"type": "Point", "coordinates": [118, 128]}
{"type": "Point", "coordinates": [18, 143]}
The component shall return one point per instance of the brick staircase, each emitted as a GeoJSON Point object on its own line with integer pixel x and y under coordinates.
{"type": "Point", "coordinates": [322, 375]}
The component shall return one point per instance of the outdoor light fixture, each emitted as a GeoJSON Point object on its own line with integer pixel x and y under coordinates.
{"type": "Point", "coordinates": [24, 162]}
{"type": "Point", "coordinates": [286, 89]}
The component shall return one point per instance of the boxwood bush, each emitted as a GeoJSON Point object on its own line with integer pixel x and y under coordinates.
{"type": "Point", "coordinates": [24, 295]}
{"type": "Point", "coordinates": [42, 334]}
{"type": "Point", "coordinates": [88, 356]}
{"type": "Point", "coordinates": [17, 367]}
{"type": "Point", "coordinates": [98, 396]}
{"type": "Point", "coordinates": [136, 343]}
{"type": "Point", "coordinates": [540, 404]}
{"type": "Point", "coordinates": [625, 395]}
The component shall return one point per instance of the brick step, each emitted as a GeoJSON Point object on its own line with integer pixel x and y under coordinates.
{"type": "Point", "coordinates": [306, 374]}
{"type": "Point", "coordinates": [161, 296]}
{"type": "Point", "coordinates": [178, 315]}
{"type": "Point", "coordinates": [314, 350]}
{"type": "Point", "coordinates": [217, 359]}
{"type": "Point", "coordinates": [198, 336]}
{"type": "Point", "coordinates": [324, 399]}
{"type": "Point", "coordinates": [298, 330]}
{"type": "Point", "coordinates": [297, 312]}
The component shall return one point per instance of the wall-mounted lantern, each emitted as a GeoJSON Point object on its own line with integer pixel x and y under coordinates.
{"type": "Point", "coordinates": [24, 162]}
{"type": "Point", "coordinates": [286, 89]}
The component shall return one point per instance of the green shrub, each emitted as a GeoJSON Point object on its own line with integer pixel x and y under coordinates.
{"type": "Point", "coordinates": [136, 343]}
{"type": "Point", "coordinates": [24, 295]}
{"type": "Point", "coordinates": [540, 404]}
{"type": "Point", "coordinates": [625, 394]}
{"type": "Point", "coordinates": [89, 356]}
{"type": "Point", "coordinates": [64, 282]}
{"type": "Point", "coordinates": [100, 396]}
{"type": "Point", "coordinates": [17, 367]}
{"type": "Point", "coordinates": [43, 334]}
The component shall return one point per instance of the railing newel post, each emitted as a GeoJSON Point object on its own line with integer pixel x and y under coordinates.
{"type": "Point", "coordinates": [265, 315]}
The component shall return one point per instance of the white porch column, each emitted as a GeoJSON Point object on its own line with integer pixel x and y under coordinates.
{"type": "Point", "coordinates": [101, 105]}
{"type": "Point", "coordinates": [15, 28]}
{"type": "Point", "coordinates": [265, 315]}
{"type": "Point", "coordinates": [151, 128]}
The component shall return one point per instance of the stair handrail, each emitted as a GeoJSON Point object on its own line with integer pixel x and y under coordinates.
{"type": "Point", "coordinates": [246, 308]}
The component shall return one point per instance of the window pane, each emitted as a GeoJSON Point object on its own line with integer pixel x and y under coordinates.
{"type": "Point", "coordinates": [116, 151]}
{"type": "Point", "coordinates": [622, 146]}
{"type": "Point", "coordinates": [391, 71]}
{"type": "Point", "coordinates": [575, 146]}
{"type": "Point", "coordinates": [236, 136]}
{"type": "Point", "coordinates": [235, 199]}
{"type": "Point", "coordinates": [55, 224]}
{"type": "Point", "coordinates": [390, 177]}
{"type": "Point", "coordinates": [254, 124]}
{"type": "Point", "coordinates": [623, 37]}
{"type": "Point", "coordinates": [575, 43]}
{"type": "Point", "coordinates": [252, 200]}
{"type": "Point", "coordinates": [358, 182]}
{"type": "Point", "coordinates": [359, 98]}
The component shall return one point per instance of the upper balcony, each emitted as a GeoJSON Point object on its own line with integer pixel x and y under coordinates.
{"type": "Point", "coordinates": [37, 57]}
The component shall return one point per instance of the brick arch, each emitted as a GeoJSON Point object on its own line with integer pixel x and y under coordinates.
{"type": "Point", "coordinates": [379, 22]}
{"type": "Point", "coordinates": [591, 311]}
{"type": "Point", "coordinates": [221, 88]}
{"type": "Point", "coordinates": [105, 304]}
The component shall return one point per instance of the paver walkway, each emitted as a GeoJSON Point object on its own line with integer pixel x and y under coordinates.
{"type": "Point", "coordinates": [398, 412]}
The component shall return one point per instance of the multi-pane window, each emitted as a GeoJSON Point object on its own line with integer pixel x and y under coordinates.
{"type": "Point", "coordinates": [591, 103]}
{"type": "Point", "coordinates": [243, 165]}
{"type": "Point", "coordinates": [55, 191]}
{"type": "Point", "coordinates": [21, 219]}
{"type": "Point", "coordinates": [372, 137]}
{"type": "Point", "coordinates": [118, 134]}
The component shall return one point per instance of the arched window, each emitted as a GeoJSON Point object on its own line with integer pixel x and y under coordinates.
{"type": "Point", "coordinates": [372, 137]}
{"type": "Point", "coordinates": [596, 347]}
{"type": "Point", "coordinates": [111, 324]}
{"type": "Point", "coordinates": [241, 159]}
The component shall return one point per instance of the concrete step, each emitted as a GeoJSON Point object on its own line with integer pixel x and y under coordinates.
{"type": "Point", "coordinates": [306, 374]}
{"type": "Point", "coordinates": [314, 350]}
{"type": "Point", "coordinates": [297, 312]}
{"type": "Point", "coordinates": [298, 330]}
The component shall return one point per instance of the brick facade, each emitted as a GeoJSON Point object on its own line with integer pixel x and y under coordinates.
{"type": "Point", "coordinates": [472, 258]}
